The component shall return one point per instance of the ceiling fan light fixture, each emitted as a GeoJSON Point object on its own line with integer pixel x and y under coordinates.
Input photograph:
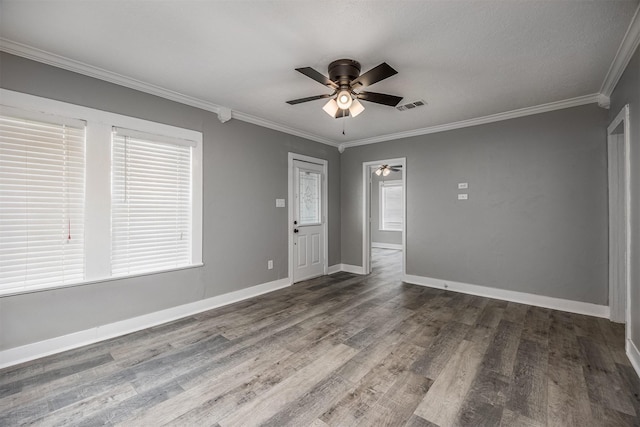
{"type": "Point", "coordinates": [356, 108]}
{"type": "Point", "coordinates": [331, 107]}
{"type": "Point", "coordinates": [385, 170]}
{"type": "Point", "coordinates": [344, 99]}
{"type": "Point", "coordinates": [347, 83]}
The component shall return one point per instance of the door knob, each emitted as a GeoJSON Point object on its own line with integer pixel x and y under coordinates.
{"type": "Point", "coordinates": [295, 230]}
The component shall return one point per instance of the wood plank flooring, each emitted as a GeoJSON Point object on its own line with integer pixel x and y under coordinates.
{"type": "Point", "coordinates": [341, 350]}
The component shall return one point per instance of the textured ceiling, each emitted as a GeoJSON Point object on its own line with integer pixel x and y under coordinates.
{"type": "Point", "coordinates": [466, 59]}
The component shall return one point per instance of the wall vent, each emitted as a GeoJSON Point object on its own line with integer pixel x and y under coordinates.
{"type": "Point", "coordinates": [411, 105]}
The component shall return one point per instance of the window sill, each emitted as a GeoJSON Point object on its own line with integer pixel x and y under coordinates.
{"type": "Point", "coordinates": [14, 292]}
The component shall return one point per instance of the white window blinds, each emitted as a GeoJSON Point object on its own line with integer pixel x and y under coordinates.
{"type": "Point", "coordinates": [391, 208]}
{"type": "Point", "coordinates": [42, 169]}
{"type": "Point", "coordinates": [150, 202]}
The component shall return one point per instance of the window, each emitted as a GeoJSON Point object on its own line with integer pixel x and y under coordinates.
{"type": "Point", "coordinates": [42, 167]}
{"type": "Point", "coordinates": [391, 205]}
{"type": "Point", "coordinates": [84, 200]}
{"type": "Point", "coordinates": [310, 199]}
{"type": "Point", "coordinates": [150, 203]}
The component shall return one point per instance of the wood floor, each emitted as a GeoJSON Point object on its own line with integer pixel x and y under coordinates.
{"type": "Point", "coordinates": [341, 350]}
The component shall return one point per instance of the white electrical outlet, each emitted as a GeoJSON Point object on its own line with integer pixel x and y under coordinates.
{"type": "Point", "coordinates": [463, 196]}
{"type": "Point", "coordinates": [463, 185]}
{"type": "Point", "coordinates": [280, 203]}
{"type": "Point", "coordinates": [270, 264]}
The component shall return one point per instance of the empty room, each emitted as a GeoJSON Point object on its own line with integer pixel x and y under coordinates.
{"type": "Point", "coordinates": [305, 213]}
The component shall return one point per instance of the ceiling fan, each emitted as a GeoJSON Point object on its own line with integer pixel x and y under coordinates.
{"type": "Point", "coordinates": [385, 170]}
{"type": "Point", "coordinates": [346, 82]}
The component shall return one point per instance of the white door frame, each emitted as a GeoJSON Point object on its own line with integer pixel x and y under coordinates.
{"type": "Point", "coordinates": [619, 198]}
{"type": "Point", "coordinates": [325, 209]}
{"type": "Point", "coordinates": [366, 211]}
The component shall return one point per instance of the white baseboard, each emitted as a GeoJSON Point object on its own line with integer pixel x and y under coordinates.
{"type": "Point", "coordinates": [334, 269]}
{"type": "Point", "coordinates": [16, 355]}
{"type": "Point", "coordinates": [386, 245]}
{"type": "Point", "coordinates": [634, 356]}
{"type": "Point", "coordinates": [355, 269]}
{"type": "Point", "coordinates": [514, 296]}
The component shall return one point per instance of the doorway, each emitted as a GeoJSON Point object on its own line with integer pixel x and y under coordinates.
{"type": "Point", "coordinates": [384, 212]}
{"type": "Point", "coordinates": [618, 143]}
{"type": "Point", "coordinates": [307, 225]}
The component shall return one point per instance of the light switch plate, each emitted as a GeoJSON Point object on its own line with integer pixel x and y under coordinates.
{"type": "Point", "coordinates": [463, 196]}
{"type": "Point", "coordinates": [463, 185]}
{"type": "Point", "coordinates": [280, 203]}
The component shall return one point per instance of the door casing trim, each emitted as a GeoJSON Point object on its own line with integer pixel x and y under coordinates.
{"type": "Point", "coordinates": [366, 211]}
{"type": "Point", "coordinates": [624, 194]}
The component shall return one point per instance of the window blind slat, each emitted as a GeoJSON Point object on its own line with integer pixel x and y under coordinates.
{"type": "Point", "coordinates": [391, 212]}
{"type": "Point", "coordinates": [41, 203]}
{"type": "Point", "coordinates": [151, 203]}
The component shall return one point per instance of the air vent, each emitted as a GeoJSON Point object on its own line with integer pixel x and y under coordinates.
{"type": "Point", "coordinates": [411, 105]}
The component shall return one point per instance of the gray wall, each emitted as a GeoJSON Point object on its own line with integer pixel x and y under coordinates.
{"type": "Point", "coordinates": [377, 235]}
{"type": "Point", "coordinates": [627, 91]}
{"type": "Point", "coordinates": [242, 226]}
{"type": "Point", "coordinates": [536, 218]}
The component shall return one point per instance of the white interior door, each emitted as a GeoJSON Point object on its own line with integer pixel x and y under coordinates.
{"type": "Point", "coordinates": [308, 220]}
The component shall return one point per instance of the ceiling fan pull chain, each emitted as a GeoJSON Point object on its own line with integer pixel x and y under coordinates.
{"type": "Point", "coordinates": [343, 121]}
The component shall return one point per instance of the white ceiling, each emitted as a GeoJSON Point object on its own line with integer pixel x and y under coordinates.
{"type": "Point", "coordinates": [466, 59]}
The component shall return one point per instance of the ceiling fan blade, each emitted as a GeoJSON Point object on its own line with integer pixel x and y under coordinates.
{"type": "Point", "coordinates": [374, 75]}
{"type": "Point", "coordinates": [307, 99]}
{"type": "Point", "coordinates": [320, 78]}
{"type": "Point", "coordinates": [341, 113]}
{"type": "Point", "coordinates": [380, 98]}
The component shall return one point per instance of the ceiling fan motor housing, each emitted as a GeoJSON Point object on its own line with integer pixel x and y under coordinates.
{"type": "Point", "coordinates": [342, 71]}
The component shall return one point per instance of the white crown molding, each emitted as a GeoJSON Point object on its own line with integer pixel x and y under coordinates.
{"type": "Point", "coordinates": [522, 112]}
{"type": "Point", "coordinates": [282, 128]}
{"type": "Point", "coordinates": [42, 56]}
{"type": "Point", "coordinates": [38, 55]}
{"type": "Point", "coordinates": [604, 101]}
{"type": "Point", "coordinates": [224, 114]}
{"type": "Point", "coordinates": [627, 48]}
{"type": "Point", "coordinates": [91, 71]}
